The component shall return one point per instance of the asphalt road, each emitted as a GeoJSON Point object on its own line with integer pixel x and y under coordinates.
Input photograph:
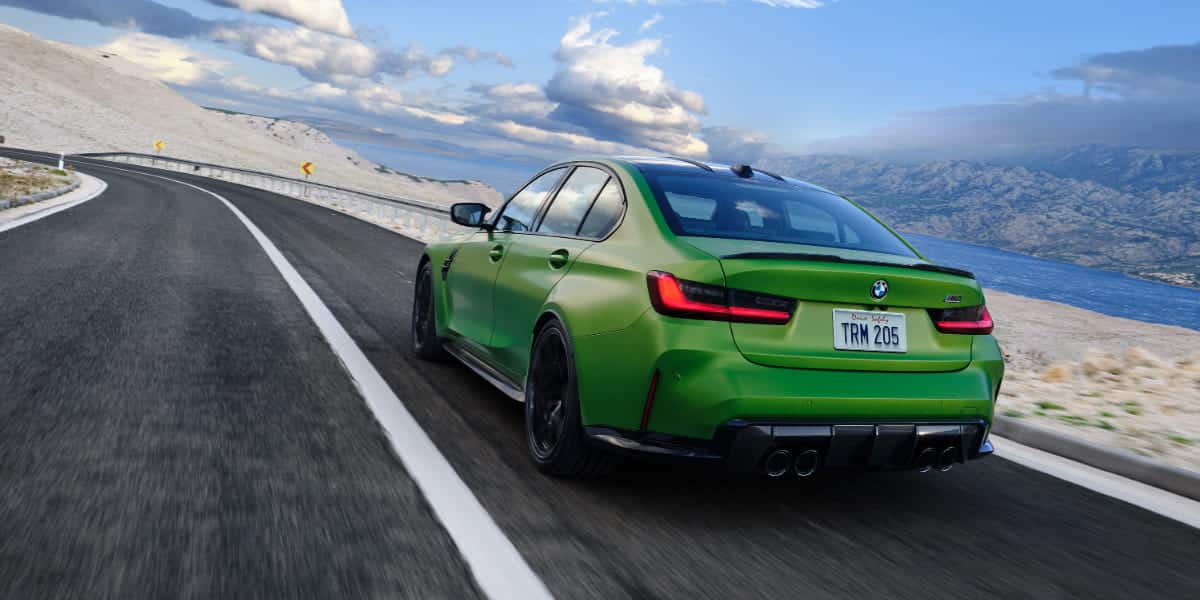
{"type": "Point", "coordinates": [171, 423]}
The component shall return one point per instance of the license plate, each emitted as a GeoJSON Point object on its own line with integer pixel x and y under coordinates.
{"type": "Point", "coordinates": [869, 331]}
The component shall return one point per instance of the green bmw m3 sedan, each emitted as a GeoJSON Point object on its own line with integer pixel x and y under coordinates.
{"type": "Point", "coordinates": [670, 307]}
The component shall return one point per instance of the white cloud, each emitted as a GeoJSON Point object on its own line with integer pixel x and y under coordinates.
{"type": "Point", "coordinates": [317, 55]}
{"type": "Point", "coordinates": [570, 141]}
{"type": "Point", "coordinates": [445, 118]}
{"type": "Point", "coordinates": [328, 16]}
{"type": "Point", "coordinates": [609, 90]}
{"type": "Point", "coordinates": [165, 59]}
{"type": "Point", "coordinates": [651, 22]}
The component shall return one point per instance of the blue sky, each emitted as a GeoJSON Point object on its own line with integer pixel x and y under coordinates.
{"type": "Point", "coordinates": [724, 80]}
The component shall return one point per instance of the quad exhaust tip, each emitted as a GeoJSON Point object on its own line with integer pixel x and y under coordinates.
{"type": "Point", "coordinates": [947, 458]}
{"type": "Point", "coordinates": [778, 463]}
{"type": "Point", "coordinates": [807, 463]}
{"type": "Point", "coordinates": [926, 460]}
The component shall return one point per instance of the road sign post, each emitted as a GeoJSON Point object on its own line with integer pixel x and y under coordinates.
{"type": "Point", "coordinates": [307, 168]}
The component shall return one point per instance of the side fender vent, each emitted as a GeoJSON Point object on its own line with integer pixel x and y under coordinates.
{"type": "Point", "coordinates": [446, 263]}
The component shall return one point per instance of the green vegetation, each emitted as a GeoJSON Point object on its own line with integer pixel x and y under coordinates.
{"type": "Point", "coordinates": [1179, 439]}
{"type": "Point", "coordinates": [1132, 407]}
{"type": "Point", "coordinates": [1107, 414]}
{"type": "Point", "coordinates": [1074, 420]}
{"type": "Point", "coordinates": [1048, 405]}
{"type": "Point", "coordinates": [1016, 414]}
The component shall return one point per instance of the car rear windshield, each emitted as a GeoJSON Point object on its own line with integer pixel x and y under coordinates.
{"type": "Point", "coordinates": [713, 206]}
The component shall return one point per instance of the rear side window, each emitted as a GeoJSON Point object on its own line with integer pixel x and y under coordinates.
{"type": "Point", "coordinates": [713, 206]}
{"type": "Point", "coordinates": [518, 214]}
{"type": "Point", "coordinates": [605, 213]}
{"type": "Point", "coordinates": [572, 201]}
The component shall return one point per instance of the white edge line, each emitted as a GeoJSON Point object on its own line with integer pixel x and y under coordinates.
{"type": "Point", "coordinates": [1156, 500]}
{"type": "Point", "coordinates": [494, 561]}
{"type": "Point", "coordinates": [41, 214]}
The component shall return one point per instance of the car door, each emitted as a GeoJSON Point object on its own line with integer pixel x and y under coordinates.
{"type": "Point", "coordinates": [478, 260]}
{"type": "Point", "coordinates": [536, 262]}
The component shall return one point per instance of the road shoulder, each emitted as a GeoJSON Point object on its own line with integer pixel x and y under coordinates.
{"type": "Point", "coordinates": [89, 187]}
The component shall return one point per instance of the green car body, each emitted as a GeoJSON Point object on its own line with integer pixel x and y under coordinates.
{"type": "Point", "coordinates": [718, 388]}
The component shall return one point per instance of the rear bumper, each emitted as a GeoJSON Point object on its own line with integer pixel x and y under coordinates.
{"type": "Point", "coordinates": [743, 446]}
{"type": "Point", "coordinates": [705, 383]}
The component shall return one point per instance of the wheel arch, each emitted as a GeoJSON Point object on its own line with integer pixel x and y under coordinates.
{"type": "Point", "coordinates": [441, 302]}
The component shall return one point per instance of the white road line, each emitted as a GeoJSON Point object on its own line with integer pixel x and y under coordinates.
{"type": "Point", "coordinates": [495, 563]}
{"type": "Point", "coordinates": [1173, 506]}
{"type": "Point", "coordinates": [42, 214]}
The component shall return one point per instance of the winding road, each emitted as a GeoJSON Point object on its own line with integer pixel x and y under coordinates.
{"type": "Point", "coordinates": [174, 424]}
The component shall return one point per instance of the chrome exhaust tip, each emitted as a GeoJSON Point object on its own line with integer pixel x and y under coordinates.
{"type": "Point", "coordinates": [926, 459]}
{"type": "Point", "coordinates": [807, 463]}
{"type": "Point", "coordinates": [778, 463]}
{"type": "Point", "coordinates": [947, 458]}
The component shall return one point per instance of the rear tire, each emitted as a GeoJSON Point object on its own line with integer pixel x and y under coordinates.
{"type": "Point", "coordinates": [425, 342]}
{"type": "Point", "coordinates": [553, 429]}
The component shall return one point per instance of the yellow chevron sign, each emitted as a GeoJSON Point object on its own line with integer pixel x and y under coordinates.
{"type": "Point", "coordinates": [307, 167]}
{"type": "Point", "coordinates": [159, 145]}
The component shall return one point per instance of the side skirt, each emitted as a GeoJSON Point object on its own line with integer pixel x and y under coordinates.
{"type": "Point", "coordinates": [486, 371]}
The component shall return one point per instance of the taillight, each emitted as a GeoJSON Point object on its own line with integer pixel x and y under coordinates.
{"type": "Point", "coordinates": [971, 320]}
{"type": "Point", "coordinates": [688, 299]}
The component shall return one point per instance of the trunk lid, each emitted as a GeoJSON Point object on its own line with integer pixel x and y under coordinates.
{"type": "Point", "coordinates": [823, 279]}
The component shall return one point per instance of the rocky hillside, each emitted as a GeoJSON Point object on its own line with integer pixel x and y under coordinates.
{"type": "Point", "coordinates": [59, 97]}
{"type": "Point", "coordinates": [1138, 216]}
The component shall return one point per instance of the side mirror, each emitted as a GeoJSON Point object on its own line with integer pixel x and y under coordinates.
{"type": "Point", "coordinates": [469, 214]}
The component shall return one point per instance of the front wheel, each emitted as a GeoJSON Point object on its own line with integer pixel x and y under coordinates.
{"type": "Point", "coordinates": [425, 342]}
{"type": "Point", "coordinates": [552, 423]}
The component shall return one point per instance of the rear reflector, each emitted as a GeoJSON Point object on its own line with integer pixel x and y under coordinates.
{"type": "Point", "coordinates": [688, 299]}
{"type": "Point", "coordinates": [650, 399]}
{"type": "Point", "coordinates": [971, 320]}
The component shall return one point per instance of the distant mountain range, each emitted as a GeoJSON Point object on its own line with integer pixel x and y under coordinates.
{"type": "Point", "coordinates": [1126, 209]}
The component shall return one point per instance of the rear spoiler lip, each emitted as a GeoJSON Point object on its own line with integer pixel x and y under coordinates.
{"type": "Point", "coordinates": [839, 259]}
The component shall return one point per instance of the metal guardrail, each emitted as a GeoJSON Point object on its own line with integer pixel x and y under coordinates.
{"type": "Point", "coordinates": [424, 220]}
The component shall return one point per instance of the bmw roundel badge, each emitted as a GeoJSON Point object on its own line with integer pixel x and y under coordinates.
{"type": "Point", "coordinates": [879, 289]}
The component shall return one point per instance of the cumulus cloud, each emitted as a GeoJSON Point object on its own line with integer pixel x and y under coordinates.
{"type": "Point", "coordinates": [328, 16]}
{"type": "Point", "coordinates": [609, 90]}
{"type": "Point", "coordinates": [319, 56]}
{"type": "Point", "coordinates": [165, 59]}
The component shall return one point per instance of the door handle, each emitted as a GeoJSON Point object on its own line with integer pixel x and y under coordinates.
{"type": "Point", "coordinates": [558, 258]}
{"type": "Point", "coordinates": [496, 253]}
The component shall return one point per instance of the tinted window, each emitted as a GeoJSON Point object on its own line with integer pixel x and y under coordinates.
{"type": "Point", "coordinates": [733, 208]}
{"type": "Point", "coordinates": [519, 212]}
{"type": "Point", "coordinates": [572, 201]}
{"type": "Point", "coordinates": [605, 213]}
